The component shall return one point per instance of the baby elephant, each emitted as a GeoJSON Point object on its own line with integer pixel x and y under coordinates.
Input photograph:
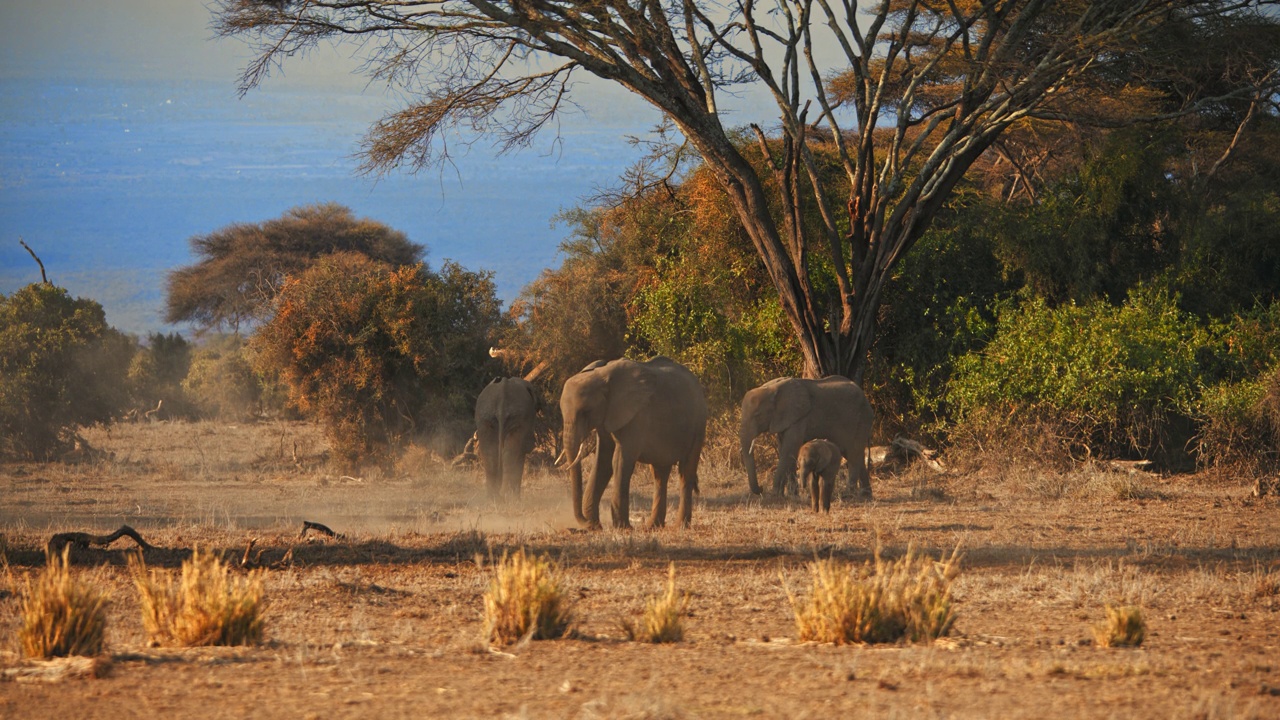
{"type": "Point", "coordinates": [819, 460]}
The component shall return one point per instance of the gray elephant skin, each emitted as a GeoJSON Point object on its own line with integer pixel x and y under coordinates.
{"type": "Point", "coordinates": [651, 412]}
{"type": "Point", "coordinates": [819, 463]}
{"type": "Point", "coordinates": [505, 414]}
{"type": "Point", "coordinates": [797, 411]}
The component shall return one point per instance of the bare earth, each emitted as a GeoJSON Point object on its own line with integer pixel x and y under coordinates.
{"type": "Point", "coordinates": [387, 622]}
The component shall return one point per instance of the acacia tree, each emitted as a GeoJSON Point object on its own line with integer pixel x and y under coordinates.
{"type": "Point", "coordinates": [242, 266]}
{"type": "Point", "coordinates": [920, 90]}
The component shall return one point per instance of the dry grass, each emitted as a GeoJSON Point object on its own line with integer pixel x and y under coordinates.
{"type": "Point", "coordinates": [1123, 627]}
{"type": "Point", "coordinates": [662, 620]}
{"type": "Point", "coordinates": [881, 602]}
{"type": "Point", "coordinates": [62, 613]}
{"type": "Point", "coordinates": [205, 607]}
{"type": "Point", "coordinates": [526, 600]}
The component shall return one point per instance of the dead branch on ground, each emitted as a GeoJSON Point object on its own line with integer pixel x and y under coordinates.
{"type": "Point", "coordinates": [84, 540]}
{"type": "Point", "coordinates": [323, 529]}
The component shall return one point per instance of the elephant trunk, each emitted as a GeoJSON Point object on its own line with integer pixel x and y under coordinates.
{"type": "Point", "coordinates": [746, 438]}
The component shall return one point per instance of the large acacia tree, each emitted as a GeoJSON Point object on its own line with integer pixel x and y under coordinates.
{"type": "Point", "coordinates": [908, 94]}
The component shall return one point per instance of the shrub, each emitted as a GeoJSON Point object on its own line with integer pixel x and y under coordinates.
{"type": "Point", "coordinates": [62, 614]}
{"type": "Point", "coordinates": [1111, 378]}
{"type": "Point", "coordinates": [1123, 627]}
{"type": "Point", "coordinates": [206, 607]}
{"type": "Point", "coordinates": [222, 382]}
{"type": "Point", "coordinates": [380, 354]}
{"type": "Point", "coordinates": [526, 599]}
{"type": "Point", "coordinates": [61, 367]}
{"type": "Point", "coordinates": [661, 622]}
{"type": "Point", "coordinates": [156, 374]}
{"type": "Point", "coordinates": [882, 602]}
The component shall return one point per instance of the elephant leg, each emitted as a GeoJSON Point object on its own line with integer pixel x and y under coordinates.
{"type": "Point", "coordinates": [810, 480]}
{"type": "Point", "coordinates": [788, 448]}
{"type": "Point", "coordinates": [828, 485]}
{"type": "Point", "coordinates": [513, 470]}
{"type": "Point", "coordinates": [492, 462]}
{"type": "Point", "coordinates": [661, 473]}
{"type": "Point", "coordinates": [859, 473]}
{"type": "Point", "coordinates": [688, 485]}
{"type": "Point", "coordinates": [605, 450]}
{"type": "Point", "coordinates": [624, 464]}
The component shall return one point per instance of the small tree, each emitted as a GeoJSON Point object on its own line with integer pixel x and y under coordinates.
{"type": "Point", "coordinates": [61, 367]}
{"type": "Point", "coordinates": [242, 267]}
{"type": "Point", "coordinates": [157, 372]}
{"type": "Point", "coordinates": [380, 354]}
{"type": "Point", "coordinates": [222, 381]}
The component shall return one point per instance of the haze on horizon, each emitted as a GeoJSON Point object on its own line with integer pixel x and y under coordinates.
{"type": "Point", "coordinates": [122, 135]}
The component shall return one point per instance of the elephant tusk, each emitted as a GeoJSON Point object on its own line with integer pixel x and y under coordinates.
{"type": "Point", "coordinates": [582, 452]}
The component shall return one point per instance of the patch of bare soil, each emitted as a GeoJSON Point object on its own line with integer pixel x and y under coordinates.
{"type": "Point", "coordinates": [386, 621]}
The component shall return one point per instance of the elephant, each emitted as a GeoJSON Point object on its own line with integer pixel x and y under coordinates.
{"type": "Point", "coordinates": [799, 410]}
{"type": "Point", "coordinates": [819, 463]}
{"type": "Point", "coordinates": [653, 412]}
{"type": "Point", "coordinates": [505, 414]}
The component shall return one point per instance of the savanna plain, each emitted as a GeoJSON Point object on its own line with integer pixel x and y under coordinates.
{"type": "Point", "coordinates": [387, 620]}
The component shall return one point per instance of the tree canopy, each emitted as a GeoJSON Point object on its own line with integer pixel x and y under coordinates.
{"type": "Point", "coordinates": [380, 354]}
{"type": "Point", "coordinates": [917, 93]}
{"type": "Point", "coordinates": [61, 367]}
{"type": "Point", "coordinates": [241, 267]}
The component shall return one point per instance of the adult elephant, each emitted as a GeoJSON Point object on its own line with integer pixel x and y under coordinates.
{"type": "Point", "coordinates": [798, 410]}
{"type": "Point", "coordinates": [652, 412]}
{"type": "Point", "coordinates": [505, 414]}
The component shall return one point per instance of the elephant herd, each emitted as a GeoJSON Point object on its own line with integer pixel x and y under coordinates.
{"type": "Point", "coordinates": [655, 413]}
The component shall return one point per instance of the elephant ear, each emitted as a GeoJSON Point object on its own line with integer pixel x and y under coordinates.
{"type": "Point", "coordinates": [791, 404]}
{"type": "Point", "coordinates": [631, 388]}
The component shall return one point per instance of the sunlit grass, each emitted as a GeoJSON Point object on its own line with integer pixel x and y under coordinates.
{"type": "Point", "coordinates": [1124, 626]}
{"type": "Point", "coordinates": [881, 602]}
{"type": "Point", "coordinates": [526, 599]}
{"type": "Point", "coordinates": [206, 606]}
{"type": "Point", "coordinates": [63, 613]}
{"type": "Point", "coordinates": [662, 621]}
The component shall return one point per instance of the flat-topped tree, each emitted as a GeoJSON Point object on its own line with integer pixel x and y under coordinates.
{"type": "Point", "coordinates": [919, 91]}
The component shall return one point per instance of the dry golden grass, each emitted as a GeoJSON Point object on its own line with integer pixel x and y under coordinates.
{"type": "Point", "coordinates": [205, 607]}
{"type": "Point", "coordinates": [662, 621]}
{"type": "Point", "coordinates": [1123, 627]}
{"type": "Point", "coordinates": [526, 599]}
{"type": "Point", "coordinates": [62, 613]}
{"type": "Point", "coordinates": [883, 601]}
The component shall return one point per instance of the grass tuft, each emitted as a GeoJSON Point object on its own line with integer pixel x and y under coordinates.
{"type": "Point", "coordinates": [62, 614]}
{"type": "Point", "coordinates": [881, 602]}
{"type": "Point", "coordinates": [205, 607]}
{"type": "Point", "coordinates": [662, 621]}
{"type": "Point", "coordinates": [526, 599]}
{"type": "Point", "coordinates": [1124, 627]}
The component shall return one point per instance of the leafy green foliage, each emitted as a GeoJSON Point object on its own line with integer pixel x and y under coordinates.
{"type": "Point", "coordinates": [380, 354]}
{"type": "Point", "coordinates": [1113, 377]}
{"type": "Point", "coordinates": [61, 367]}
{"type": "Point", "coordinates": [156, 374]}
{"type": "Point", "coordinates": [242, 267]}
{"type": "Point", "coordinates": [665, 271]}
{"type": "Point", "coordinates": [222, 381]}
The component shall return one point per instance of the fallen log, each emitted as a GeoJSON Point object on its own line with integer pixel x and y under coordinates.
{"type": "Point", "coordinates": [322, 529]}
{"type": "Point", "coordinates": [83, 540]}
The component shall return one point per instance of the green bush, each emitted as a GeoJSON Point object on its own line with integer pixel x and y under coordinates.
{"type": "Point", "coordinates": [222, 382]}
{"type": "Point", "coordinates": [1110, 378]}
{"type": "Point", "coordinates": [61, 367]}
{"type": "Point", "coordinates": [156, 374]}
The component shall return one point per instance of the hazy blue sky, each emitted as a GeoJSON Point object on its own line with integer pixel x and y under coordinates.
{"type": "Point", "coordinates": [121, 136]}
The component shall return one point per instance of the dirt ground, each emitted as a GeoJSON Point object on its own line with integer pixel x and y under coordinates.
{"type": "Point", "coordinates": [387, 622]}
